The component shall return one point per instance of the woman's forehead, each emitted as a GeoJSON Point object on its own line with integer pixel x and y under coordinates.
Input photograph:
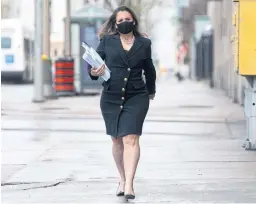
{"type": "Point", "coordinates": [123, 14]}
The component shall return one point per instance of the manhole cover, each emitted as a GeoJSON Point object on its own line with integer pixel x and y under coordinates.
{"type": "Point", "coordinates": [54, 108]}
{"type": "Point", "coordinates": [195, 106]}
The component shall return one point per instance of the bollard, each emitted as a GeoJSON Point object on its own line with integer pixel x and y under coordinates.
{"type": "Point", "coordinates": [64, 77]}
{"type": "Point", "coordinates": [49, 92]}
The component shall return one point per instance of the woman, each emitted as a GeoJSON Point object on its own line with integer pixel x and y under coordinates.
{"type": "Point", "coordinates": [125, 97]}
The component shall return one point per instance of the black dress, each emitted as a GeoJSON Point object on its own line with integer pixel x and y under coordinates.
{"type": "Point", "coordinates": [125, 97]}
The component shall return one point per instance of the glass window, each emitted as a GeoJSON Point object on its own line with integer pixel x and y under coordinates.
{"type": "Point", "coordinates": [6, 42]}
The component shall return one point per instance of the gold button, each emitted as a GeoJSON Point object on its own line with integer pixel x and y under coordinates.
{"type": "Point", "coordinates": [122, 98]}
{"type": "Point", "coordinates": [125, 79]}
{"type": "Point", "coordinates": [123, 89]}
{"type": "Point", "coordinates": [121, 107]}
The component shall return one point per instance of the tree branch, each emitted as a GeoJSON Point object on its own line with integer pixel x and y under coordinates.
{"type": "Point", "coordinates": [108, 4]}
{"type": "Point", "coordinates": [123, 2]}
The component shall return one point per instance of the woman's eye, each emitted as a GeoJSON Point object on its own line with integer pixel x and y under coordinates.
{"type": "Point", "coordinates": [126, 19]}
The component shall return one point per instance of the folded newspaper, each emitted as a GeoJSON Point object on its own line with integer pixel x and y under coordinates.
{"type": "Point", "coordinates": [93, 58]}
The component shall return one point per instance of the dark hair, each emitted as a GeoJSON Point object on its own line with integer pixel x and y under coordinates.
{"type": "Point", "coordinates": [109, 27]}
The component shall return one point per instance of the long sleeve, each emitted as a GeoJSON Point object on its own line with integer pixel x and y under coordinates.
{"type": "Point", "coordinates": [101, 51]}
{"type": "Point", "coordinates": [150, 73]}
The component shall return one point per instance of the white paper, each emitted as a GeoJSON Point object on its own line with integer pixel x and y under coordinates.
{"type": "Point", "coordinates": [93, 58]}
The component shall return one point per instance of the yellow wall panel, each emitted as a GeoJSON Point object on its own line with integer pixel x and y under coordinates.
{"type": "Point", "coordinates": [235, 37]}
{"type": "Point", "coordinates": [247, 37]}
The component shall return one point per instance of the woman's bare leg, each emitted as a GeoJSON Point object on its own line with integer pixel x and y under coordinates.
{"type": "Point", "coordinates": [117, 151]}
{"type": "Point", "coordinates": [131, 159]}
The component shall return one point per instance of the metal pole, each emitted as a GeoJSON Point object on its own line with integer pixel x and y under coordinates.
{"type": "Point", "coordinates": [49, 92]}
{"type": "Point", "coordinates": [38, 73]}
{"type": "Point", "coordinates": [46, 26]}
{"type": "Point", "coordinates": [250, 113]}
{"type": "Point", "coordinates": [67, 31]}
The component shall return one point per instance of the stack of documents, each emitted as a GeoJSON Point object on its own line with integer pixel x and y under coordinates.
{"type": "Point", "coordinates": [93, 58]}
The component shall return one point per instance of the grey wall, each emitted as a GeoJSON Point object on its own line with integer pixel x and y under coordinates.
{"type": "Point", "coordinates": [225, 76]}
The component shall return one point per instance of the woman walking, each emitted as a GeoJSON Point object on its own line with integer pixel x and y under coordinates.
{"type": "Point", "coordinates": [125, 97]}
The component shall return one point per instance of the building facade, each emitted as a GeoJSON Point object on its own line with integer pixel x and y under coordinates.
{"type": "Point", "coordinates": [225, 76]}
{"type": "Point", "coordinates": [220, 13]}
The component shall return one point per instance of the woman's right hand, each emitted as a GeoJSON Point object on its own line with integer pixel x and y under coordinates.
{"type": "Point", "coordinates": [98, 72]}
{"type": "Point", "coordinates": [151, 96]}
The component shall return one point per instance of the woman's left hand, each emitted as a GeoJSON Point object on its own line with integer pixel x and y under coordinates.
{"type": "Point", "coordinates": [151, 96]}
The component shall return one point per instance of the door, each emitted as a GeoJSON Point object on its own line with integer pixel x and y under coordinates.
{"type": "Point", "coordinates": [88, 34]}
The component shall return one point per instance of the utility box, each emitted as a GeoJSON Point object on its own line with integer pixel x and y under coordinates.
{"type": "Point", "coordinates": [244, 20]}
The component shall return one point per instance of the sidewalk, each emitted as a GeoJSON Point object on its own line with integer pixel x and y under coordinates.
{"type": "Point", "coordinates": [180, 100]}
{"type": "Point", "coordinates": [58, 152]}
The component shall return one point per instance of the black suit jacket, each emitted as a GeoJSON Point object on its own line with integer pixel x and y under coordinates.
{"type": "Point", "coordinates": [123, 64]}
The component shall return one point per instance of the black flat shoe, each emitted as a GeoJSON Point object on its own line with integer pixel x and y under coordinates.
{"type": "Point", "coordinates": [129, 196]}
{"type": "Point", "coordinates": [119, 193]}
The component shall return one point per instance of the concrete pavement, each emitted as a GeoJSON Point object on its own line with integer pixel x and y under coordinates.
{"type": "Point", "coordinates": [57, 152]}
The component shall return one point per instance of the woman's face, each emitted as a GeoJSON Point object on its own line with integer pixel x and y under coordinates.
{"type": "Point", "coordinates": [123, 16]}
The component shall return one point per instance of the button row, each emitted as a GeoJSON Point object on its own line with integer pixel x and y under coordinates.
{"type": "Point", "coordinates": [123, 89]}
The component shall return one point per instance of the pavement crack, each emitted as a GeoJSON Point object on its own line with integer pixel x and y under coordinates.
{"type": "Point", "coordinates": [17, 183]}
{"type": "Point", "coordinates": [44, 186]}
{"type": "Point", "coordinates": [48, 185]}
{"type": "Point", "coordinates": [170, 119]}
{"type": "Point", "coordinates": [35, 185]}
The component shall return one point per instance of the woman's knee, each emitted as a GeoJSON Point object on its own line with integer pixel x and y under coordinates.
{"type": "Point", "coordinates": [131, 140]}
{"type": "Point", "coordinates": [117, 141]}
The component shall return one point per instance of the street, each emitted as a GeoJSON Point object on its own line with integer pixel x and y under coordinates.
{"type": "Point", "coordinates": [57, 151]}
{"type": "Point", "coordinates": [193, 149]}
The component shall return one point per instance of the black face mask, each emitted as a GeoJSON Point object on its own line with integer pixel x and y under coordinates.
{"type": "Point", "coordinates": [125, 27]}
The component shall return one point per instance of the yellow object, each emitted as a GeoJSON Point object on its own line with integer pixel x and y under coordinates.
{"type": "Point", "coordinates": [45, 57]}
{"type": "Point", "coordinates": [244, 20]}
{"type": "Point", "coordinates": [163, 69]}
